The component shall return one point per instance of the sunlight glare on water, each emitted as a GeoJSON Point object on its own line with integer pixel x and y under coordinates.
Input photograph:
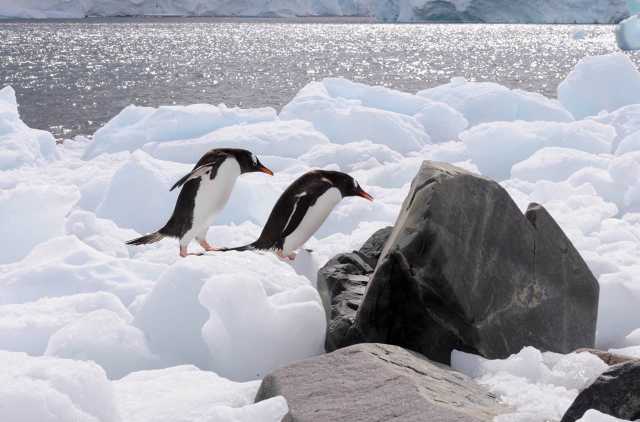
{"type": "Point", "coordinates": [71, 77]}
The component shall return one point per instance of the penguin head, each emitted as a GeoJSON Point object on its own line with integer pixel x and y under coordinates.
{"type": "Point", "coordinates": [347, 185]}
{"type": "Point", "coordinates": [249, 162]}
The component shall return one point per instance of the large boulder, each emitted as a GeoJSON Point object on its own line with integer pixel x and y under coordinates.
{"type": "Point", "coordinates": [616, 393]}
{"type": "Point", "coordinates": [378, 382]}
{"type": "Point", "coordinates": [464, 269]}
{"type": "Point", "coordinates": [342, 283]}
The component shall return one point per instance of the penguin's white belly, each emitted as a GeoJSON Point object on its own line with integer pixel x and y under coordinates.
{"type": "Point", "coordinates": [313, 219]}
{"type": "Point", "coordinates": [213, 195]}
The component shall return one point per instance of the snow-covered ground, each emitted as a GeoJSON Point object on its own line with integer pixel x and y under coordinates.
{"type": "Point", "coordinates": [94, 330]}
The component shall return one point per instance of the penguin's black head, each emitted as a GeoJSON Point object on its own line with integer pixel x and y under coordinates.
{"type": "Point", "coordinates": [248, 161]}
{"type": "Point", "coordinates": [347, 185]}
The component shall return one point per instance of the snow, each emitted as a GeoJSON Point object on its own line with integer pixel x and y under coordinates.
{"type": "Point", "coordinates": [628, 33]}
{"type": "Point", "coordinates": [19, 144]}
{"type": "Point", "coordinates": [600, 83]}
{"type": "Point", "coordinates": [507, 11]}
{"type": "Point", "coordinates": [169, 339]}
{"type": "Point", "coordinates": [482, 102]}
{"type": "Point", "coordinates": [537, 386]}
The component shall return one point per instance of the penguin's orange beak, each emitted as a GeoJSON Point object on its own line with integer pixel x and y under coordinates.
{"type": "Point", "coordinates": [263, 169]}
{"type": "Point", "coordinates": [361, 193]}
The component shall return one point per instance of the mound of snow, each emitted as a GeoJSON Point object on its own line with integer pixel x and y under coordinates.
{"type": "Point", "coordinates": [481, 102]}
{"type": "Point", "coordinates": [442, 122]}
{"type": "Point", "coordinates": [45, 389]}
{"type": "Point", "coordinates": [19, 144]}
{"type": "Point", "coordinates": [66, 266]}
{"type": "Point", "coordinates": [344, 119]}
{"type": "Point", "coordinates": [351, 156]}
{"type": "Point", "coordinates": [186, 394]}
{"type": "Point", "coordinates": [135, 126]}
{"type": "Point", "coordinates": [106, 338]}
{"type": "Point", "coordinates": [556, 164]}
{"type": "Point", "coordinates": [278, 329]}
{"type": "Point", "coordinates": [31, 214]}
{"type": "Point", "coordinates": [625, 121]}
{"type": "Point", "coordinates": [100, 234]}
{"type": "Point", "coordinates": [496, 147]}
{"type": "Point", "coordinates": [600, 83]}
{"type": "Point", "coordinates": [630, 143]}
{"type": "Point", "coordinates": [27, 327]}
{"type": "Point", "coordinates": [539, 386]}
{"type": "Point", "coordinates": [290, 139]}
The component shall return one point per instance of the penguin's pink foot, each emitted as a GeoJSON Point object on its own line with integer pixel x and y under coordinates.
{"type": "Point", "coordinates": [184, 253]}
{"type": "Point", "coordinates": [284, 257]}
{"type": "Point", "coordinates": [207, 246]}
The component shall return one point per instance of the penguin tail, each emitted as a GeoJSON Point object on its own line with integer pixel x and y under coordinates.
{"type": "Point", "coordinates": [249, 247]}
{"type": "Point", "coordinates": [146, 239]}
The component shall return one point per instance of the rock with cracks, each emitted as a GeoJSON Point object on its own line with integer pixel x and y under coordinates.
{"type": "Point", "coordinates": [616, 393]}
{"type": "Point", "coordinates": [464, 269]}
{"type": "Point", "coordinates": [378, 382]}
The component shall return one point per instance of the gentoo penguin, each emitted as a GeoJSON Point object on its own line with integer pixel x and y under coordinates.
{"type": "Point", "coordinates": [301, 210]}
{"type": "Point", "coordinates": [205, 191]}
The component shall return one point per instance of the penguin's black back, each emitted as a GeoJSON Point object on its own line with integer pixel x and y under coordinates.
{"type": "Point", "coordinates": [181, 220]}
{"type": "Point", "coordinates": [283, 220]}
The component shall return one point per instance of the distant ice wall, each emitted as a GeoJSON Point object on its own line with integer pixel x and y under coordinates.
{"type": "Point", "coordinates": [83, 8]}
{"type": "Point", "coordinates": [506, 11]}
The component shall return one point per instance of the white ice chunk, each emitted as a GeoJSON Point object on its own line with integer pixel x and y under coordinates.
{"type": "Point", "coordinates": [186, 394]}
{"type": "Point", "coordinates": [136, 126]}
{"type": "Point", "coordinates": [27, 327]}
{"type": "Point", "coordinates": [496, 147]}
{"type": "Point", "coordinates": [46, 389]}
{"type": "Point", "coordinates": [600, 83]}
{"type": "Point", "coordinates": [19, 144]}
{"type": "Point", "coordinates": [106, 338]}
{"type": "Point", "coordinates": [249, 333]}
{"type": "Point", "coordinates": [31, 214]}
{"type": "Point", "coordinates": [482, 102]}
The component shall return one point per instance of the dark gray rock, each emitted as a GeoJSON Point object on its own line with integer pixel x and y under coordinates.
{"type": "Point", "coordinates": [465, 269]}
{"type": "Point", "coordinates": [342, 282]}
{"type": "Point", "coordinates": [378, 382]}
{"type": "Point", "coordinates": [616, 393]}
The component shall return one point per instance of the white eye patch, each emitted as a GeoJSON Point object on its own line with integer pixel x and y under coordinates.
{"type": "Point", "coordinates": [254, 159]}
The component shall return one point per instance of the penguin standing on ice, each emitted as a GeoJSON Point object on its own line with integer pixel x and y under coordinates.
{"type": "Point", "coordinates": [205, 191]}
{"type": "Point", "coordinates": [301, 210]}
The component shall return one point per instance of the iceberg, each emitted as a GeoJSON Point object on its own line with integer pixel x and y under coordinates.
{"type": "Point", "coordinates": [503, 11]}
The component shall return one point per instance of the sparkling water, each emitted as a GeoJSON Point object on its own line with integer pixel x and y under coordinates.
{"type": "Point", "coordinates": [73, 76]}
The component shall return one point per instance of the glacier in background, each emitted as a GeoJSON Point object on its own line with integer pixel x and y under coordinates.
{"type": "Point", "coordinates": [490, 11]}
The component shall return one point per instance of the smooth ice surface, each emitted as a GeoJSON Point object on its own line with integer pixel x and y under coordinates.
{"type": "Point", "coordinates": [70, 288]}
{"type": "Point", "coordinates": [628, 33]}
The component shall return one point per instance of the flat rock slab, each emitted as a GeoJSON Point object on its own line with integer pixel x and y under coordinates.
{"type": "Point", "coordinates": [378, 382]}
{"type": "Point", "coordinates": [616, 392]}
{"type": "Point", "coordinates": [465, 269]}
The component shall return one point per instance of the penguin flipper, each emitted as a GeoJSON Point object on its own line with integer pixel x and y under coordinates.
{"type": "Point", "coordinates": [211, 166]}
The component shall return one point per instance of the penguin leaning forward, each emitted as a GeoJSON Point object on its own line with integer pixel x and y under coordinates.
{"type": "Point", "coordinates": [205, 191]}
{"type": "Point", "coordinates": [301, 210]}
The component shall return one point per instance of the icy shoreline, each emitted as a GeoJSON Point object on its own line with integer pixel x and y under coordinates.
{"type": "Point", "coordinates": [71, 292]}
